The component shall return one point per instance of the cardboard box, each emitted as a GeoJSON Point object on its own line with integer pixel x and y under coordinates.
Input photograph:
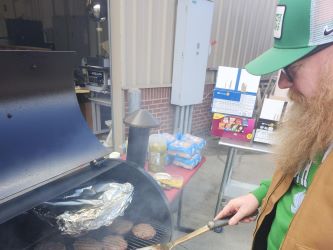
{"type": "Point", "coordinates": [233, 127]}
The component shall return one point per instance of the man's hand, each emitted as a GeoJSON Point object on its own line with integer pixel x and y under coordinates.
{"type": "Point", "coordinates": [242, 209]}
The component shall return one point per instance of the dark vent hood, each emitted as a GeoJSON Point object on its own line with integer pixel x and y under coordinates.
{"type": "Point", "coordinates": [43, 136]}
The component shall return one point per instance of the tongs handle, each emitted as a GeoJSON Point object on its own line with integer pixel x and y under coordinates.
{"type": "Point", "coordinates": [210, 226]}
{"type": "Point", "coordinates": [217, 223]}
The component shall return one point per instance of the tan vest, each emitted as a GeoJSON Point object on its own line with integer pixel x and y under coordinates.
{"type": "Point", "coordinates": [312, 225]}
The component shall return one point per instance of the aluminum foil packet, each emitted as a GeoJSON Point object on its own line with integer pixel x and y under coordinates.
{"type": "Point", "coordinates": [91, 207]}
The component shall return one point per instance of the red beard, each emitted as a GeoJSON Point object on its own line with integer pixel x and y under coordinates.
{"type": "Point", "coordinates": [307, 129]}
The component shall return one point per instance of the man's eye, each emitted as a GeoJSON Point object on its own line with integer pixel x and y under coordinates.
{"type": "Point", "coordinates": [294, 68]}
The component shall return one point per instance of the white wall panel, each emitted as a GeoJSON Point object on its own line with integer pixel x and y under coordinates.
{"type": "Point", "coordinates": [147, 42]}
{"type": "Point", "coordinates": [242, 30]}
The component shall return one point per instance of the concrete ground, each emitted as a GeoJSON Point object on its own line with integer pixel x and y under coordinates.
{"type": "Point", "coordinates": [200, 196]}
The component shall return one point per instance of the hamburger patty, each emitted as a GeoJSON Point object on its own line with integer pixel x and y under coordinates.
{"type": "Point", "coordinates": [114, 242]}
{"type": "Point", "coordinates": [144, 231]}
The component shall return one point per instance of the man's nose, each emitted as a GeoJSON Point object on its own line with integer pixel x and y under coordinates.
{"type": "Point", "coordinates": [284, 83]}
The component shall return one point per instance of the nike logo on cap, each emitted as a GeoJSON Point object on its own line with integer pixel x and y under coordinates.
{"type": "Point", "coordinates": [327, 31]}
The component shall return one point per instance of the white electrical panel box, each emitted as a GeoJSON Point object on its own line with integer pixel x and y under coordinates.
{"type": "Point", "coordinates": [192, 45]}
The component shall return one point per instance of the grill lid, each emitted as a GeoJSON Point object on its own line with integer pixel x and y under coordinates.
{"type": "Point", "coordinates": [42, 132]}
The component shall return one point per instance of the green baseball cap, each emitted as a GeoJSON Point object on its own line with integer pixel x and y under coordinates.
{"type": "Point", "coordinates": [300, 26]}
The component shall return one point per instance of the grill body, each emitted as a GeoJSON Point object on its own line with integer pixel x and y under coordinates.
{"type": "Point", "coordinates": [149, 205]}
{"type": "Point", "coordinates": [47, 150]}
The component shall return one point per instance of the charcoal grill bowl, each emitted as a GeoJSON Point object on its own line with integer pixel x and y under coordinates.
{"type": "Point", "coordinates": [149, 205]}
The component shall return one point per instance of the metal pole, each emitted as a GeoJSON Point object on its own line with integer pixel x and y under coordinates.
{"type": "Point", "coordinates": [186, 119]}
{"type": "Point", "coordinates": [226, 174]}
{"type": "Point", "coordinates": [134, 100]}
{"type": "Point", "coordinates": [115, 44]}
{"type": "Point", "coordinates": [190, 119]}
{"type": "Point", "coordinates": [176, 121]}
{"type": "Point", "coordinates": [99, 30]}
{"type": "Point", "coordinates": [181, 122]}
{"type": "Point", "coordinates": [94, 114]}
{"type": "Point", "coordinates": [67, 16]}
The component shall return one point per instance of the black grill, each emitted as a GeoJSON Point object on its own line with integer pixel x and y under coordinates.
{"type": "Point", "coordinates": [148, 206]}
{"type": "Point", "coordinates": [47, 150]}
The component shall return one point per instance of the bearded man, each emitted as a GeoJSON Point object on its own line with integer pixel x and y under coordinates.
{"type": "Point", "coordinates": [297, 204]}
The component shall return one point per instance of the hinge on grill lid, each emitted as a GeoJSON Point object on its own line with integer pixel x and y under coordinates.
{"type": "Point", "coordinates": [97, 162]}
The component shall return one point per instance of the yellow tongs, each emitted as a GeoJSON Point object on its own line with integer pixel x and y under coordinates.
{"type": "Point", "coordinates": [210, 226]}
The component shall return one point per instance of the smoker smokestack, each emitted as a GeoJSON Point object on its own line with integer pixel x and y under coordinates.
{"type": "Point", "coordinates": [140, 122]}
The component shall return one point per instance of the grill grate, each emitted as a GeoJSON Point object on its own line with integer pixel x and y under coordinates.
{"type": "Point", "coordinates": [163, 235]}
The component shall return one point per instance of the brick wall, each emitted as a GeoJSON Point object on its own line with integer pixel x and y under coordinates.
{"type": "Point", "coordinates": [157, 102]}
{"type": "Point", "coordinates": [202, 115]}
